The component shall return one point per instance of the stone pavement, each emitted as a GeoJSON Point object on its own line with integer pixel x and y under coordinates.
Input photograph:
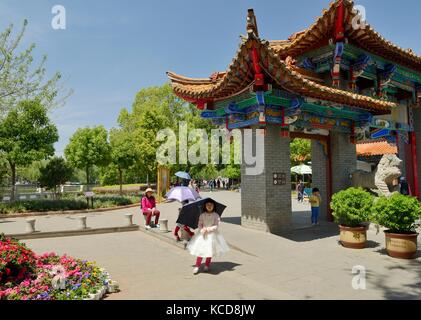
{"type": "Point", "coordinates": [307, 263]}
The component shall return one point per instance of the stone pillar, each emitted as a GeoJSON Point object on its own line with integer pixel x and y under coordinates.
{"type": "Point", "coordinates": [265, 206]}
{"type": "Point", "coordinates": [82, 222]}
{"type": "Point", "coordinates": [129, 219]}
{"type": "Point", "coordinates": [344, 160]}
{"type": "Point", "coordinates": [30, 225]}
{"type": "Point", "coordinates": [319, 177]}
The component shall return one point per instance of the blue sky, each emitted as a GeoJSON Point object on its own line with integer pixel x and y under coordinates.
{"type": "Point", "coordinates": [112, 49]}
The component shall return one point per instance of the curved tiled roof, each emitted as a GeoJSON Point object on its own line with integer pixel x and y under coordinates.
{"type": "Point", "coordinates": [288, 76]}
{"type": "Point", "coordinates": [376, 148]}
{"type": "Point", "coordinates": [239, 75]}
{"type": "Point", "coordinates": [322, 30]}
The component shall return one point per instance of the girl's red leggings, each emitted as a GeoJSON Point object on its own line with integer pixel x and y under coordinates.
{"type": "Point", "coordinates": [199, 261]}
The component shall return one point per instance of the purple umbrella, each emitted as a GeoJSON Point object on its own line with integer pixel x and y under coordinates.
{"type": "Point", "coordinates": [182, 194]}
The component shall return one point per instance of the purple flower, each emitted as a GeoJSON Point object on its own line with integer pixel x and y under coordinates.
{"type": "Point", "coordinates": [76, 286]}
{"type": "Point", "coordinates": [43, 295]}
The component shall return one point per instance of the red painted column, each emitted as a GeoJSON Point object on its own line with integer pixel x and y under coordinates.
{"type": "Point", "coordinates": [258, 75]}
{"type": "Point", "coordinates": [414, 164]}
{"type": "Point", "coordinates": [339, 23]}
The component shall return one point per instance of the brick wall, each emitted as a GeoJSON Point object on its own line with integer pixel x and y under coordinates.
{"type": "Point", "coordinates": [266, 206]}
{"type": "Point", "coordinates": [344, 160]}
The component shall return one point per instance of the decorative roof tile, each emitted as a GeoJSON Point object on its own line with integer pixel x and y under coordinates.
{"type": "Point", "coordinates": [376, 148]}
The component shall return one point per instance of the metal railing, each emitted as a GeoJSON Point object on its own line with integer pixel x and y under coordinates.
{"type": "Point", "coordinates": [34, 192]}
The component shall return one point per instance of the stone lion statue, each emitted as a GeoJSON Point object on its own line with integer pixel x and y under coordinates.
{"type": "Point", "coordinates": [381, 180]}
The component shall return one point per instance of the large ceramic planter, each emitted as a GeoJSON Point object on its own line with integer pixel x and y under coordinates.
{"type": "Point", "coordinates": [402, 246]}
{"type": "Point", "coordinates": [354, 238]}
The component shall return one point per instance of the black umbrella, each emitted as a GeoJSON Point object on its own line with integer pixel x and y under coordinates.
{"type": "Point", "coordinates": [189, 213]}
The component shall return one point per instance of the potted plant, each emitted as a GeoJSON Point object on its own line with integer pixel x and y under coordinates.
{"type": "Point", "coordinates": [351, 209]}
{"type": "Point", "coordinates": [399, 215]}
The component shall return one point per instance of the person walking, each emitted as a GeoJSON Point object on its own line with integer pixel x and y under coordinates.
{"type": "Point", "coordinates": [179, 226]}
{"type": "Point", "coordinates": [300, 191]}
{"type": "Point", "coordinates": [208, 242]}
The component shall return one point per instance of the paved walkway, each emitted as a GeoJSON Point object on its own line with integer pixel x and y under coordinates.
{"type": "Point", "coordinates": [303, 264]}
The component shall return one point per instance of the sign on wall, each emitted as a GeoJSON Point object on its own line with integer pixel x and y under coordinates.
{"type": "Point", "coordinates": [279, 179]}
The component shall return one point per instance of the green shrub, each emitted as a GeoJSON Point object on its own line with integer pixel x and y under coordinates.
{"type": "Point", "coordinates": [351, 207]}
{"type": "Point", "coordinates": [398, 213]}
{"type": "Point", "coordinates": [113, 201]}
{"type": "Point", "coordinates": [66, 204]}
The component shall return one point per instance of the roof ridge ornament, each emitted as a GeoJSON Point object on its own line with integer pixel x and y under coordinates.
{"type": "Point", "coordinates": [252, 24]}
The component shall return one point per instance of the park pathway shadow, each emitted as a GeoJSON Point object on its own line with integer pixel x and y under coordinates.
{"type": "Point", "coordinates": [300, 233]}
{"type": "Point", "coordinates": [232, 220]}
{"type": "Point", "coordinates": [220, 267]}
{"type": "Point", "coordinates": [411, 290]}
{"type": "Point", "coordinates": [6, 221]}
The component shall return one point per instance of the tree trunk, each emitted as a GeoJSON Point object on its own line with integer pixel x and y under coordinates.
{"type": "Point", "coordinates": [87, 178]}
{"type": "Point", "coordinates": [120, 179]}
{"type": "Point", "coordinates": [13, 169]}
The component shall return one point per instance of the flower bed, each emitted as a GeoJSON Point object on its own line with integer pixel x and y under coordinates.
{"type": "Point", "coordinates": [26, 276]}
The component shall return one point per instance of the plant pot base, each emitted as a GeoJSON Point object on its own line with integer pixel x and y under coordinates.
{"type": "Point", "coordinates": [401, 255]}
{"type": "Point", "coordinates": [350, 245]}
{"type": "Point", "coordinates": [353, 238]}
{"type": "Point", "coordinates": [401, 246]}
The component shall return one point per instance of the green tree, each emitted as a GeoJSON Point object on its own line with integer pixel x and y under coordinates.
{"type": "Point", "coordinates": [108, 176]}
{"type": "Point", "coordinates": [54, 174]}
{"type": "Point", "coordinates": [300, 151]}
{"type": "Point", "coordinates": [88, 147]}
{"type": "Point", "coordinates": [232, 171]}
{"type": "Point", "coordinates": [123, 153]}
{"type": "Point", "coordinates": [3, 170]}
{"type": "Point", "coordinates": [206, 172]}
{"type": "Point", "coordinates": [31, 172]}
{"type": "Point", "coordinates": [21, 79]}
{"type": "Point", "coordinates": [26, 135]}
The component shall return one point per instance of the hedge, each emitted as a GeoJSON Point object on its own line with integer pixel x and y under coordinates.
{"type": "Point", "coordinates": [78, 203]}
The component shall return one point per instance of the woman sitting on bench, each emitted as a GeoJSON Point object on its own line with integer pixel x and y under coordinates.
{"type": "Point", "coordinates": [149, 209]}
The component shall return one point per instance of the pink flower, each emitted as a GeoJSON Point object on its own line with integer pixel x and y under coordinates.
{"type": "Point", "coordinates": [26, 283]}
{"type": "Point", "coordinates": [8, 291]}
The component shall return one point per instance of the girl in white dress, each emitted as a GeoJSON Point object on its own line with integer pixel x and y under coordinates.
{"type": "Point", "coordinates": [207, 243]}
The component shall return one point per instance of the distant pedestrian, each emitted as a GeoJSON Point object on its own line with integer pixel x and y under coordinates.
{"type": "Point", "coordinates": [315, 201]}
{"type": "Point", "coordinates": [300, 191]}
{"type": "Point", "coordinates": [208, 242]}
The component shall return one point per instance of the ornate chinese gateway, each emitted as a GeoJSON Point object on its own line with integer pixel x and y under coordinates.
{"type": "Point", "coordinates": [336, 83]}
